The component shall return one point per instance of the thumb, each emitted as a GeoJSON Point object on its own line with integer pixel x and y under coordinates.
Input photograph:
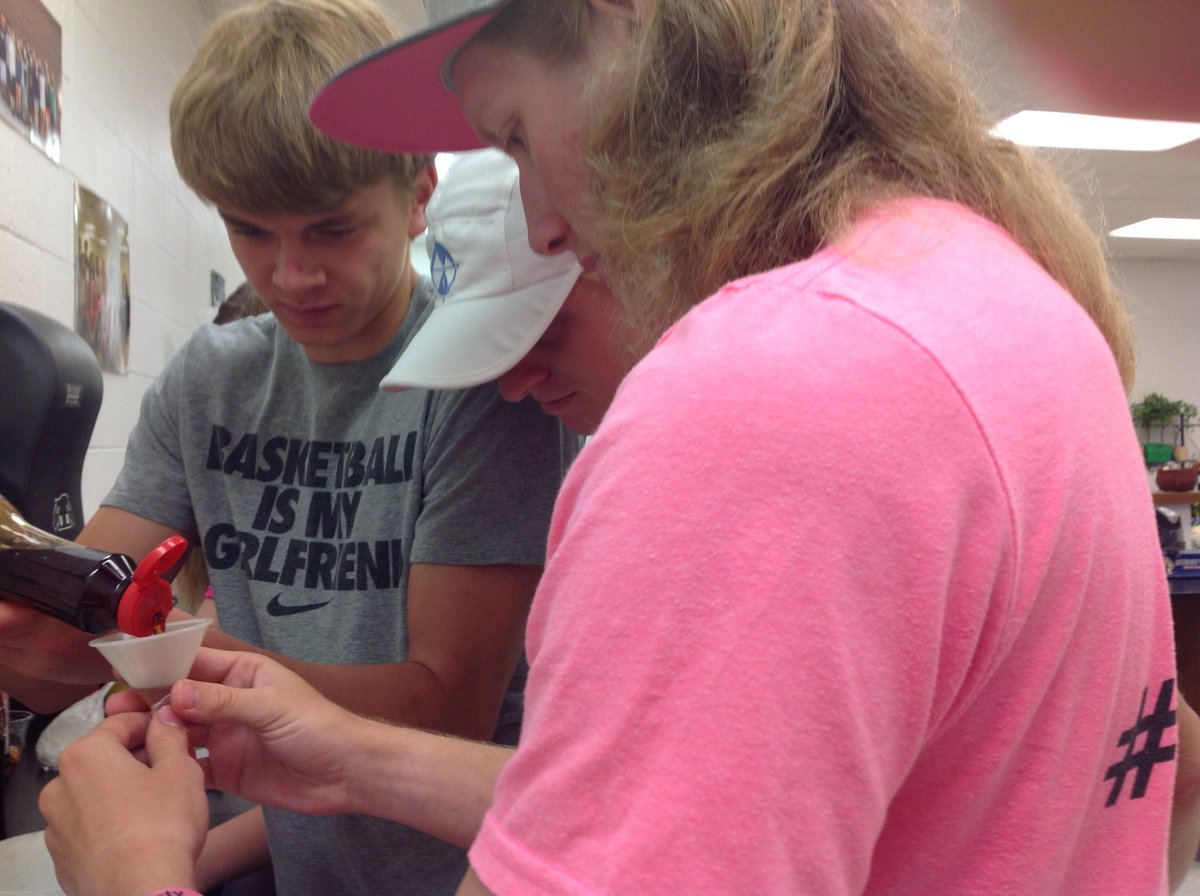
{"type": "Point", "coordinates": [205, 703]}
{"type": "Point", "coordinates": [166, 739]}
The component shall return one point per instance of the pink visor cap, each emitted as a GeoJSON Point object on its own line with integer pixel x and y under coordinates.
{"type": "Point", "coordinates": [495, 295]}
{"type": "Point", "coordinates": [398, 98]}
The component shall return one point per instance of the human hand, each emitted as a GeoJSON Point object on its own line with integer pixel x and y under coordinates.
{"type": "Point", "coordinates": [116, 825]}
{"type": "Point", "coordinates": [40, 647]}
{"type": "Point", "coordinates": [270, 736]}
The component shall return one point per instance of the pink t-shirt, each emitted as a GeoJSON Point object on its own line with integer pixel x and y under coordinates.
{"type": "Point", "coordinates": [856, 590]}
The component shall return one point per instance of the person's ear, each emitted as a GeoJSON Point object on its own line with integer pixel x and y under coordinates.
{"type": "Point", "coordinates": [422, 187]}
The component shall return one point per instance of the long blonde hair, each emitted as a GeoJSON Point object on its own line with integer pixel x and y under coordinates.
{"type": "Point", "coordinates": [734, 136]}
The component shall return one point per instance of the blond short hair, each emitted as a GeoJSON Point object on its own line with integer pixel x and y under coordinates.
{"type": "Point", "coordinates": [239, 115]}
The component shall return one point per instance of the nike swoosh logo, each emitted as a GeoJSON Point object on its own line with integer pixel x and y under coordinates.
{"type": "Point", "coordinates": [276, 607]}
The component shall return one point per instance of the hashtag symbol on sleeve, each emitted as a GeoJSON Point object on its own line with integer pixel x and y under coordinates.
{"type": "Point", "coordinates": [1152, 752]}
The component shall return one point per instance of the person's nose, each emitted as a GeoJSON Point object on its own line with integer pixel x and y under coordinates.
{"type": "Point", "coordinates": [295, 267]}
{"type": "Point", "coordinates": [518, 382]}
{"type": "Point", "coordinates": [549, 232]}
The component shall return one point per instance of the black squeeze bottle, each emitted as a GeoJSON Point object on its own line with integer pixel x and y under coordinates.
{"type": "Point", "coordinates": [89, 589]}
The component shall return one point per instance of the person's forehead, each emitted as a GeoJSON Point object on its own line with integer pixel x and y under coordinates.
{"type": "Point", "coordinates": [361, 201]}
{"type": "Point", "coordinates": [481, 65]}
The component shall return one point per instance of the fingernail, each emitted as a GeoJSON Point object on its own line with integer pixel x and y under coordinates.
{"type": "Point", "coordinates": [167, 716]}
{"type": "Point", "coordinates": [187, 693]}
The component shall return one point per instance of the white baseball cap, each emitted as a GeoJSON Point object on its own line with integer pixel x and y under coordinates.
{"type": "Point", "coordinates": [496, 296]}
{"type": "Point", "coordinates": [398, 98]}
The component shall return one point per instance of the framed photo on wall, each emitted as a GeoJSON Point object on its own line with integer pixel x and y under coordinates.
{"type": "Point", "coordinates": [102, 280]}
{"type": "Point", "coordinates": [31, 73]}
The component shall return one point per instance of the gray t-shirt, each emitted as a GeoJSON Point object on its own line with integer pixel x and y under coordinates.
{"type": "Point", "coordinates": [312, 492]}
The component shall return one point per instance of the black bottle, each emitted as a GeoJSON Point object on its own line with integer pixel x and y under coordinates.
{"type": "Point", "coordinates": [89, 589]}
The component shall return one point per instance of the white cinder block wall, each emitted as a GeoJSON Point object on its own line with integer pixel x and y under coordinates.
{"type": "Point", "coordinates": [121, 59]}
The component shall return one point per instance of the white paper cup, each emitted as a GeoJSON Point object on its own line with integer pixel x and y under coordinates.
{"type": "Point", "coordinates": [150, 665]}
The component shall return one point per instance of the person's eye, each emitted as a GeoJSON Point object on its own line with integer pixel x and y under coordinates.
{"type": "Point", "coordinates": [246, 231]}
{"type": "Point", "coordinates": [514, 141]}
{"type": "Point", "coordinates": [339, 232]}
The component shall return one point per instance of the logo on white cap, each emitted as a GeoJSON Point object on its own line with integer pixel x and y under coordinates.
{"type": "Point", "coordinates": [443, 269]}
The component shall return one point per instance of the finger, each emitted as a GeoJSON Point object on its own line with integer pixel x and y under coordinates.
{"type": "Point", "coordinates": [166, 741]}
{"type": "Point", "coordinates": [15, 619]}
{"type": "Point", "coordinates": [127, 729]}
{"type": "Point", "coordinates": [204, 703]}
{"type": "Point", "coordinates": [49, 799]}
{"type": "Point", "coordinates": [124, 700]}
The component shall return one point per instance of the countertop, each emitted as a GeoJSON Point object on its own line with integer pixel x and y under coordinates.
{"type": "Point", "coordinates": [1176, 497]}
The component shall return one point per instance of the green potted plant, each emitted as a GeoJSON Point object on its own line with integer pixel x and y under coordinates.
{"type": "Point", "coordinates": [1157, 413]}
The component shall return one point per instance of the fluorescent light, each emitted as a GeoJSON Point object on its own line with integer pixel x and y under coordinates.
{"type": "Point", "coordinates": [1070, 130]}
{"type": "Point", "coordinates": [1161, 229]}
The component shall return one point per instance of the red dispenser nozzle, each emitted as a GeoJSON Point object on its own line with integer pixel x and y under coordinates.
{"type": "Point", "coordinates": [147, 600]}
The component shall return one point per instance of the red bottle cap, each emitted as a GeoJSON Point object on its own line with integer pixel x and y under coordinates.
{"type": "Point", "coordinates": [147, 599]}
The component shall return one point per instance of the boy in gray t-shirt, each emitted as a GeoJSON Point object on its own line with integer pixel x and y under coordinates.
{"type": "Point", "coordinates": [385, 546]}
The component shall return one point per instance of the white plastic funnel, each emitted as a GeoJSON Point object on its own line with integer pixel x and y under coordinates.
{"type": "Point", "coordinates": [150, 665]}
